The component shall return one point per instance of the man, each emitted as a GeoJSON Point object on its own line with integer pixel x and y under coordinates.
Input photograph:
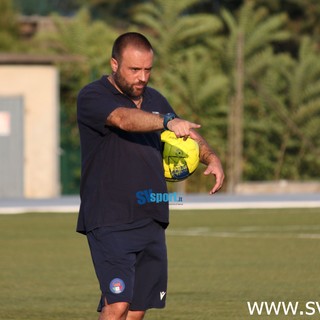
{"type": "Point", "coordinates": [120, 120]}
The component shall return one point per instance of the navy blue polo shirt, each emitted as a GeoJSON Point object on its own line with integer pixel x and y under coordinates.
{"type": "Point", "coordinates": [119, 168]}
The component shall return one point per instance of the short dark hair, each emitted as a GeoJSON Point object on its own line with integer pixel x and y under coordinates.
{"type": "Point", "coordinates": [135, 39]}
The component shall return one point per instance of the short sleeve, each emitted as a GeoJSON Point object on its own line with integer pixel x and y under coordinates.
{"type": "Point", "coordinates": [95, 103]}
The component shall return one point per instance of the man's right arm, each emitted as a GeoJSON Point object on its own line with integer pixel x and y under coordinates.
{"type": "Point", "coordinates": [136, 120]}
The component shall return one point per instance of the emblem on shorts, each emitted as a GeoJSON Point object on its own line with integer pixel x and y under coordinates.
{"type": "Point", "coordinates": [162, 294]}
{"type": "Point", "coordinates": [117, 286]}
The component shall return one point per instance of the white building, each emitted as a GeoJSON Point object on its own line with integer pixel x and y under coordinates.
{"type": "Point", "coordinates": [29, 127]}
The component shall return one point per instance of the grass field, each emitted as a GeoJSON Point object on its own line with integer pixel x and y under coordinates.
{"type": "Point", "coordinates": [218, 260]}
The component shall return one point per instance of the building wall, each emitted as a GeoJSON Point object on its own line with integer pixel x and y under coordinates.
{"type": "Point", "coordinates": [39, 87]}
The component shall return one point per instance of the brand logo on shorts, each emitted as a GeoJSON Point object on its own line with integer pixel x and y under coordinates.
{"type": "Point", "coordinates": [117, 286]}
{"type": "Point", "coordinates": [162, 294]}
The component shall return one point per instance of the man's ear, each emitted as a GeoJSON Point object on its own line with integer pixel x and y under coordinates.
{"type": "Point", "coordinates": [114, 65]}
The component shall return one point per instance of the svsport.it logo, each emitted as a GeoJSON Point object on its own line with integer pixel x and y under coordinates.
{"type": "Point", "coordinates": [149, 196]}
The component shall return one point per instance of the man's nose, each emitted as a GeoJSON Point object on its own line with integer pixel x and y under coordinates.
{"type": "Point", "coordinates": [143, 76]}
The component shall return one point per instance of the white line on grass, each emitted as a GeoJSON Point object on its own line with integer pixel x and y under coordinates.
{"type": "Point", "coordinates": [206, 232]}
{"type": "Point", "coordinates": [246, 205]}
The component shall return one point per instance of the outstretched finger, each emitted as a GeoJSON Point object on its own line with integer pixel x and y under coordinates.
{"type": "Point", "coordinates": [194, 125]}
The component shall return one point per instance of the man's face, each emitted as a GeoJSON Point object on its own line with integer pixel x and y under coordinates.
{"type": "Point", "coordinates": [132, 73]}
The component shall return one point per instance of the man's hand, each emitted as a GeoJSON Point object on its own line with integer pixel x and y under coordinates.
{"type": "Point", "coordinates": [209, 158]}
{"type": "Point", "coordinates": [215, 168]}
{"type": "Point", "coordinates": [182, 128]}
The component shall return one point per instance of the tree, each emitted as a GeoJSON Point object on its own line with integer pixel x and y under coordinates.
{"type": "Point", "coordinates": [247, 52]}
{"type": "Point", "coordinates": [8, 26]}
{"type": "Point", "coordinates": [173, 35]}
{"type": "Point", "coordinates": [295, 106]}
{"type": "Point", "coordinates": [47, 7]}
{"type": "Point", "coordinates": [304, 16]}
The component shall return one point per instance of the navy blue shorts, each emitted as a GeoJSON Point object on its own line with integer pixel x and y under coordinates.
{"type": "Point", "coordinates": [131, 264]}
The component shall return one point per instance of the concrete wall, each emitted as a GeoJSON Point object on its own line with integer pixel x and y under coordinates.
{"type": "Point", "coordinates": [39, 87]}
{"type": "Point", "coordinates": [277, 187]}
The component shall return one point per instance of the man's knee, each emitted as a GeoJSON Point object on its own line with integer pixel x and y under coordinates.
{"type": "Point", "coordinates": [114, 311]}
{"type": "Point", "coordinates": [135, 315]}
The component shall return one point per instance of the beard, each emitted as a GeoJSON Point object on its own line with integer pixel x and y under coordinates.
{"type": "Point", "coordinates": [127, 88]}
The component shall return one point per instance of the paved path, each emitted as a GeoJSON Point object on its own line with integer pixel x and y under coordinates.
{"type": "Point", "coordinates": [196, 201]}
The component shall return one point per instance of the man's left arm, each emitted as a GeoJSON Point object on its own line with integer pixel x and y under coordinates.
{"type": "Point", "coordinates": [209, 158]}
